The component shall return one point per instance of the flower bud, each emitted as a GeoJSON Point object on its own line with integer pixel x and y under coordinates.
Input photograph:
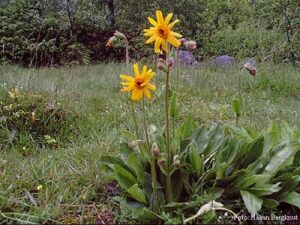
{"type": "Point", "coordinates": [250, 68]}
{"type": "Point", "coordinates": [190, 45]}
{"type": "Point", "coordinates": [111, 41]}
{"type": "Point", "coordinates": [176, 161]}
{"type": "Point", "coordinates": [118, 34]}
{"type": "Point", "coordinates": [132, 144]}
{"type": "Point", "coordinates": [162, 66]}
{"type": "Point", "coordinates": [182, 40]}
{"type": "Point", "coordinates": [155, 150]}
{"type": "Point", "coordinates": [161, 161]}
{"type": "Point", "coordinates": [170, 62]}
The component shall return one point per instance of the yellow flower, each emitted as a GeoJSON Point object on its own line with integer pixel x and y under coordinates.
{"type": "Point", "coordinates": [39, 187]}
{"type": "Point", "coordinates": [161, 32]}
{"type": "Point", "coordinates": [139, 84]}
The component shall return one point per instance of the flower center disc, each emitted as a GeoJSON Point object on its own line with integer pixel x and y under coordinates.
{"type": "Point", "coordinates": [139, 83]}
{"type": "Point", "coordinates": [162, 32]}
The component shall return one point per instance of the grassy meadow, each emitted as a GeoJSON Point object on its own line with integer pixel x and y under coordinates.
{"type": "Point", "coordinates": [74, 189]}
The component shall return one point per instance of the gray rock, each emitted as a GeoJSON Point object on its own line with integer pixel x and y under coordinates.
{"type": "Point", "coordinates": [250, 60]}
{"type": "Point", "coordinates": [223, 60]}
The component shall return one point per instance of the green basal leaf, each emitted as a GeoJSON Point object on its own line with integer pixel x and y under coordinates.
{"type": "Point", "coordinates": [124, 177]}
{"type": "Point", "coordinates": [195, 159]}
{"type": "Point", "coordinates": [249, 180]}
{"type": "Point", "coordinates": [201, 137]}
{"type": "Point", "coordinates": [265, 189]}
{"type": "Point", "coordinates": [292, 198]}
{"type": "Point", "coordinates": [252, 202]}
{"type": "Point", "coordinates": [137, 163]}
{"type": "Point", "coordinates": [282, 158]}
{"type": "Point", "coordinates": [254, 151]}
{"type": "Point", "coordinates": [220, 170]}
{"type": "Point", "coordinates": [111, 160]}
{"type": "Point", "coordinates": [137, 193]}
{"type": "Point", "coordinates": [270, 203]}
{"type": "Point", "coordinates": [124, 149]}
{"type": "Point", "coordinates": [187, 128]}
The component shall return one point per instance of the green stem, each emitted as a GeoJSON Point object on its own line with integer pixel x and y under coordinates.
{"type": "Point", "coordinates": [173, 127]}
{"type": "Point", "coordinates": [177, 69]}
{"type": "Point", "coordinates": [134, 120]}
{"type": "Point", "coordinates": [169, 152]}
{"type": "Point", "coordinates": [239, 84]}
{"type": "Point", "coordinates": [152, 160]}
{"type": "Point", "coordinates": [145, 125]}
{"type": "Point", "coordinates": [239, 95]}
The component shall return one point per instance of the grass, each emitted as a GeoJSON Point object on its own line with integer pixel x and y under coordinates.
{"type": "Point", "coordinates": [73, 186]}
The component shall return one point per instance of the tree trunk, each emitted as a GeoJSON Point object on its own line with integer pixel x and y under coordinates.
{"type": "Point", "coordinates": [111, 13]}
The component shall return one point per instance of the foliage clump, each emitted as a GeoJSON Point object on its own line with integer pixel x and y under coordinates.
{"type": "Point", "coordinates": [29, 120]}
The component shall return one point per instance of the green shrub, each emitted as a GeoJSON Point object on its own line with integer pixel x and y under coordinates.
{"type": "Point", "coordinates": [30, 121]}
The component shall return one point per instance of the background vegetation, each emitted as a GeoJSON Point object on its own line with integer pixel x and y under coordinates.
{"type": "Point", "coordinates": [74, 186]}
{"type": "Point", "coordinates": [67, 32]}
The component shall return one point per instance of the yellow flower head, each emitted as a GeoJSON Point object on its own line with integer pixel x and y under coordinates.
{"type": "Point", "coordinates": [139, 84]}
{"type": "Point", "coordinates": [161, 32]}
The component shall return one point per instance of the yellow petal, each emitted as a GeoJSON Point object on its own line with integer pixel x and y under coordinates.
{"type": "Point", "coordinates": [149, 75]}
{"type": "Point", "coordinates": [137, 94]}
{"type": "Point", "coordinates": [144, 70]}
{"type": "Point", "coordinates": [152, 21]}
{"type": "Point", "coordinates": [126, 77]}
{"type": "Point", "coordinates": [173, 41]}
{"type": "Point", "coordinates": [151, 86]}
{"type": "Point", "coordinates": [164, 45]}
{"type": "Point", "coordinates": [168, 18]}
{"type": "Point", "coordinates": [176, 34]}
{"type": "Point", "coordinates": [157, 45]}
{"type": "Point", "coordinates": [151, 39]}
{"type": "Point", "coordinates": [171, 25]}
{"type": "Point", "coordinates": [126, 83]}
{"type": "Point", "coordinates": [147, 93]}
{"type": "Point", "coordinates": [149, 32]}
{"type": "Point", "coordinates": [159, 16]}
{"type": "Point", "coordinates": [136, 70]}
{"type": "Point", "coordinates": [127, 89]}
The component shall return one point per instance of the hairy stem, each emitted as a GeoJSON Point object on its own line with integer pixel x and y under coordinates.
{"type": "Point", "coordinates": [177, 69]}
{"type": "Point", "coordinates": [152, 160]}
{"type": "Point", "coordinates": [239, 95]}
{"type": "Point", "coordinates": [135, 120]}
{"type": "Point", "coordinates": [169, 151]}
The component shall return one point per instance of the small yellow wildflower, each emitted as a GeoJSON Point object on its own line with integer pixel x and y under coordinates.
{"type": "Point", "coordinates": [49, 139]}
{"type": "Point", "coordinates": [139, 84]}
{"type": "Point", "coordinates": [39, 187]}
{"type": "Point", "coordinates": [14, 92]}
{"type": "Point", "coordinates": [161, 32]}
